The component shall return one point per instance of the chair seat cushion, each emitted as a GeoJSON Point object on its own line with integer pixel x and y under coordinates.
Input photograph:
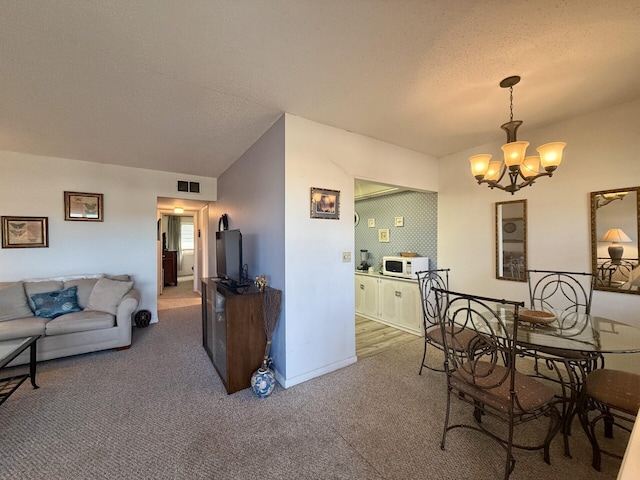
{"type": "Point", "coordinates": [490, 385]}
{"type": "Point", "coordinates": [616, 388]}
{"type": "Point", "coordinates": [462, 337]}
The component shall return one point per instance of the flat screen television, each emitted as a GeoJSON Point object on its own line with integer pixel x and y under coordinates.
{"type": "Point", "coordinates": [229, 256]}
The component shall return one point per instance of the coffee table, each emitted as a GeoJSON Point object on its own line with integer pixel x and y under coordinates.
{"type": "Point", "coordinates": [10, 349]}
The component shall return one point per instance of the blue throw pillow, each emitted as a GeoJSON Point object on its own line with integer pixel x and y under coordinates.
{"type": "Point", "coordinates": [54, 304]}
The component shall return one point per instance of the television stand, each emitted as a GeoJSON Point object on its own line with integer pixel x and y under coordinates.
{"type": "Point", "coordinates": [232, 331]}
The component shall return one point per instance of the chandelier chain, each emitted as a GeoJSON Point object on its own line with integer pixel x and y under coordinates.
{"type": "Point", "coordinates": [511, 103]}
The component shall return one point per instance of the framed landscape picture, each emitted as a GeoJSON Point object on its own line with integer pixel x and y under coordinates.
{"type": "Point", "coordinates": [86, 207]}
{"type": "Point", "coordinates": [325, 203]}
{"type": "Point", "coordinates": [25, 232]}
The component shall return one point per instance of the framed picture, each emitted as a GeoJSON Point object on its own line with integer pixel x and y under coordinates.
{"type": "Point", "coordinates": [85, 207]}
{"type": "Point", "coordinates": [25, 232]}
{"type": "Point", "coordinates": [383, 235]}
{"type": "Point", "coordinates": [325, 203]}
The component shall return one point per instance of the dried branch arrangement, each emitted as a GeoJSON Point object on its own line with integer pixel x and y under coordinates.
{"type": "Point", "coordinates": [271, 303]}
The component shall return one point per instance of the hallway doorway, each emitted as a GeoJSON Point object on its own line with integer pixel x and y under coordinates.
{"type": "Point", "coordinates": [190, 242]}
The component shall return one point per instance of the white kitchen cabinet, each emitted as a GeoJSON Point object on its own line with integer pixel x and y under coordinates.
{"type": "Point", "coordinates": [400, 304]}
{"type": "Point", "coordinates": [392, 301]}
{"type": "Point", "coordinates": [367, 292]}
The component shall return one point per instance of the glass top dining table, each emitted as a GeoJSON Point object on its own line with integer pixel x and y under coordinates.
{"type": "Point", "coordinates": [578, 338]}
{"type": "Point", "coordinates": [577, 332]}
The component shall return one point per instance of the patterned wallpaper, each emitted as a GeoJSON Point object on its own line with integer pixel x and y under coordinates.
{"type": "Point", "coordinates": [419, 233]}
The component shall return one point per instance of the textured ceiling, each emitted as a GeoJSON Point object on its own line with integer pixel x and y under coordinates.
{"type": "Point", "coordinates": [188, 85]}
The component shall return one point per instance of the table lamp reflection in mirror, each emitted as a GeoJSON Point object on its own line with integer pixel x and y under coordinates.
{"type": "Point", "coordinates": [615, 236]}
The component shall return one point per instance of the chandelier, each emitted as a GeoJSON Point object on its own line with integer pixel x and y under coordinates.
{"type": "Point", "coordinates": [522, 171]}
{"type": "Point", "coordinates": [607, 198]}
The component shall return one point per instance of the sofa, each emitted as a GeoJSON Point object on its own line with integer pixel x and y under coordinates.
{"type": "Point", "coordinates": [73, 315]}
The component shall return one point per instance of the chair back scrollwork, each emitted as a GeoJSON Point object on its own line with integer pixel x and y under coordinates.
{"type": "Point", "coordinates": [488, 361]}
{"type": "Point", "coordinates": [427, 281]}
{"type": "Point", "coordinates": [554, 290]}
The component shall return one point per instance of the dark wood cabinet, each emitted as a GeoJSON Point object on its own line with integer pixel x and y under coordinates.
{"type": "Point", "coordinates": [232, 332]}
{"type": "Point", "coordinates": [170, 267]}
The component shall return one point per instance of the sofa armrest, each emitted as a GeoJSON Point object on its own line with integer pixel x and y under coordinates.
{"type": "Point", "coordinates": [125, 309]}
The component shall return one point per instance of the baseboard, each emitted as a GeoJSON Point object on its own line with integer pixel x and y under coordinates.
{"type": "Point", "coordinates": [290, 382]}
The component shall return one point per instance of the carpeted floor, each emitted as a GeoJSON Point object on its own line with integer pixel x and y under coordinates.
{"type": "Point", "coordinates": [181, 295]}
{"type": "Point", "coordinates": [159, 411]}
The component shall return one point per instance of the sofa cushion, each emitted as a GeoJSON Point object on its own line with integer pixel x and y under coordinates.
{"type": "Point", "coordinates": [85, 285]}
{"type": "Point", "coordinates": [54, 304]}
{"type": "Point", "coordinates": [106, 295]}
{"type": "Point", "coordinates": [33, 288]}
{"type": "Point", "coordinates": [79, 322]}
{"type": "Point", "coordinates": [22, 327]}
{"type": "Point", "coordinates": [13, 302]}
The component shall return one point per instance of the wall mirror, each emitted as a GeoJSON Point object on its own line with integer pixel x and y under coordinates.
{"type": "Point", "coordinates": [615, 228]}
{"type": "Point", "coordinates": [511, 240]}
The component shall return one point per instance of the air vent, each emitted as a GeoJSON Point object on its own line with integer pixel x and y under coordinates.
{"type": "Point", "coordinates": [184, 186]}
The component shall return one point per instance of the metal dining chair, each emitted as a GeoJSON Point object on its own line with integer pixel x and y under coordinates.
{"type": "Point", "coordinates": [485, 374]}
{"type": "Point", "coordinates": [572, 293]}
{"type": "Point", "coordinates": [556, 290]}
{"type": "Point", "coordinates": [427, 281]}
{"type": "Point", "coordinates": [615, 395]}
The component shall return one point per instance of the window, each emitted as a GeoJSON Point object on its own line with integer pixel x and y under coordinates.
{"type": "Point", "coordinates": [186, 236]}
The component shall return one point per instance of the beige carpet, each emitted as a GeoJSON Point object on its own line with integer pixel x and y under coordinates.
{"type": "Point", "coordinates": [159, 411]}
{"type": "Point", "coordinates": [181, 295]}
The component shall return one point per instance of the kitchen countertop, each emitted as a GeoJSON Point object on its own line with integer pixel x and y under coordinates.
{"type": "Point", "coordinates": [380, 274]}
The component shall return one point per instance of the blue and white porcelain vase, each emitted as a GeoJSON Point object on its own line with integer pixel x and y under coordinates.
{"type": "Point", "coordinates": [263, 381]}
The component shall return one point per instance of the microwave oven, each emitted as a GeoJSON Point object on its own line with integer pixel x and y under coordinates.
{"type": "Point", "coordinates": [405, 267]}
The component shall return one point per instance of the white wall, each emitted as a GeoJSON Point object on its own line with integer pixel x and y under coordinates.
{"type": "Point", "coordinates": [251, 193]}
{"type": "Point", "coordinates": [266, 194]}
{"type": "Point", "coordinates": [601, 154]}
{"type": "Point", "coordinates": [320, 324]}
{"type": "Point", "coordinates": [125, 242]}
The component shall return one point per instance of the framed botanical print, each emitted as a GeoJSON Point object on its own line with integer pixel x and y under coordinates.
{"type": "Point", "coordinates": [25, 232]}
{"type": "Point", "coordinates": [86, 207]}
